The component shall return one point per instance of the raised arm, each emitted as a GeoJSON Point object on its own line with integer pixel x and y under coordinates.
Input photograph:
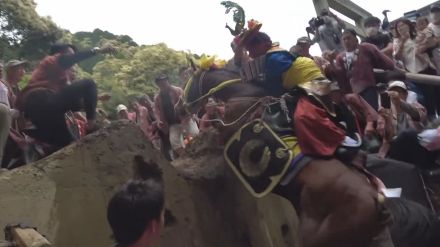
{"type": "Point", "coordinates": [67, 61]}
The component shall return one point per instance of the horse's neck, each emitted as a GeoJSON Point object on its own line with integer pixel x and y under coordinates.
{"type": "Point", "coordinates": [239, 90]}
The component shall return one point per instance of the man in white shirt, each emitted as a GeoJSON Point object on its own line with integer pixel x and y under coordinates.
{"type": "Point", "coordinates": [5, 115]}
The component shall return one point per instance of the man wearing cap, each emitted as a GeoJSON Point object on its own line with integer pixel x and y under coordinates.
{"type": "Point", "coordinates": [402, 116]}
{"type": "Point", "coordinates": [381, 40]}
{"type": "Point", "coordinates": [8, 115]}
{"type": "Point", "coordinates": [123, 113]}
{"type": "Point", "coordinates": [406, 114]}
{"type": "Point", "coordinates": [14, 71]}
{"type": "Point", "coordinates": [175, 123]}
{"type": "Point", "coordinates": [302, 47]}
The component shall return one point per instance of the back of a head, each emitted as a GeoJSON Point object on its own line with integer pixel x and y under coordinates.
{"type": "Point", "coordinates": [132, 209]}
{"type": "Point", "coordinates": [61, 48]}
{"type": "Point", "coordinates": [350, 31]}
{"type": "Point", "coordinates": [259, 38]}
{"type": "Point", "coordinates": [324, 12]}
{"type": "Point", "coordinates": [161, 77]}
{"type": "Point", "coordinates": [371, 21]}
{"type": "Point", "coordinates": [435, 8]}
{"type": "Point", "coordinates": [296, 49]}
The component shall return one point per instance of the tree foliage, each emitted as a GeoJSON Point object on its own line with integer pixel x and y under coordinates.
{"type": "Point", "coordinates": [97, 38]}
{"type": "Point", "coordinates": [130, 72]}
{"type": "Point", "coordinates": [23, 33]}
{"type": "Point", "coordinates": [133, 73]}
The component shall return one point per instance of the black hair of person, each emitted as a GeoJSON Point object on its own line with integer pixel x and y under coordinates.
{"type": "Point", "coordinates": [132, 209]}
{"type": "Point", "coordinates": [61, 48]}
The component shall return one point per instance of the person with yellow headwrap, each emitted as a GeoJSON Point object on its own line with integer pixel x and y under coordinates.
{"type": "Point", "coordinates": [282, 69]}
{"type": "Point", "coordinates": [316, 131]}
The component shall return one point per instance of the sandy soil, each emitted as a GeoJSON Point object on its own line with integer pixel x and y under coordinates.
{"type": "Point", "coordinates": [66, 195]}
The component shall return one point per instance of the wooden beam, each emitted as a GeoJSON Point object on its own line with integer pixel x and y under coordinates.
{"type": "Point", "coordinates": [28, 237]}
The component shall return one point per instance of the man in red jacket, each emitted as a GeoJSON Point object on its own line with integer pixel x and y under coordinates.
{"type": "Point", "coordinates": [52, 92]}
{"type": "Point", "coordinates": [354, 68]}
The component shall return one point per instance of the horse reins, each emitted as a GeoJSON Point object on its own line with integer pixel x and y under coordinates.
{"type": "Point", "coordinates": [248, 110]}
{"type": "Point", "coordinates": [212, 91]}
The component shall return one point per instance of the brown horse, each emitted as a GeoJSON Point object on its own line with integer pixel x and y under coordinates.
{"type": "Point", "coordinates": [337, 206]}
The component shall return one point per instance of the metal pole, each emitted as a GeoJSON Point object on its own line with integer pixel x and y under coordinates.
{"type": "Point", "coordinates": [433, 80]}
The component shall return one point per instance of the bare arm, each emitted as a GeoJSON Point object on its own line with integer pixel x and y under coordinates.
{"type": "Point", "coordinates": [398, 50]}
{"type": "Point", "coordinates": [388, 50]}
{"type": "Point", "coordinates": [411, 110]}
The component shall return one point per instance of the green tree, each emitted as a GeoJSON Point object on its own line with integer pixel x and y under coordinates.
{"type": "Point", "coordinates": [87, 40]}
{"type": "Point", "coordinates": [23, 33]}
{"type": "Point", "coordinates": [133, 74]}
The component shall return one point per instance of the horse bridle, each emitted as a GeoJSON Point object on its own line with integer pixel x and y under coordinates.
{"type": "Point", "coordinates": [200, 88]}
{"type": "Point", "coordinates": [200, 82]}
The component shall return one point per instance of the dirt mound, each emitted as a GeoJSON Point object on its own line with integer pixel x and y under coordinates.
{"type": "Point", "coordinates": [203, 158]}
{"type": "Point", "coordinates": [66, 195]}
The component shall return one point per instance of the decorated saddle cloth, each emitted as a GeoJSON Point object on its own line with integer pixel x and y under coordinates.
{"type": "Point", "coordinates": [264, 150]}
{"type": "Point", "coordinates": [270, 150]}
{"type": "Point", "coordinates": [259, 157]}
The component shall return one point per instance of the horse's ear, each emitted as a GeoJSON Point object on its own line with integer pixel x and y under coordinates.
{"type": "Point", "coordinates": [191, 62]}
{"type": "Point", "coordinates": [193, 65]}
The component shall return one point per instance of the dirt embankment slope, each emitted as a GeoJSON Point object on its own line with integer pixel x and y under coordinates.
{"type": "Point", "coordinates": [66, 195]}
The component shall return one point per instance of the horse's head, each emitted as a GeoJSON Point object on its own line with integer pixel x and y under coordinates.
{"type": "Point", "coordinates": [206, 83]}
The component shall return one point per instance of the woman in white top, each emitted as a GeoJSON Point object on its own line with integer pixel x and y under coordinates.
{"type": "Point", "coordinates": [415, 60]}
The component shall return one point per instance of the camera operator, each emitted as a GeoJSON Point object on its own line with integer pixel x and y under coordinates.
{"type": "Point", "coordinates": [398, 114]}
{"type": "Point", "coordinates": [327, 28]}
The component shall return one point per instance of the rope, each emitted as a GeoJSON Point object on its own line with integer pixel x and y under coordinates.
{"type": "Point", "coordinates": [260, 100]}
{"type": "Point", "coordinates": [213, 90]}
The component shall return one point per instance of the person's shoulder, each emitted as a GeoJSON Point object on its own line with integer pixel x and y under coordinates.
{"type": "Point", "coordinates": [177, 89]}
{"type": "Point", "coordinates": [3, 86]}
{"type": "Point", "coordinates": [144, 110]}
{"type": "Point", "coordinates": [367, 40]}
{"type": "Point", "coordinates": [279, 56]}
{"type": "Point", "coordinates": [280, 52]}
{"type": "Point", "coordinates": [50, 59]}
{"type": "Point", "coordinates": [340, 56]}
{"type": "Point", "coordinates": [367, 46]}
{"type": "Point", "coordinates": [156, 97]}
{"type": "Point", "coordinates": [385, 37]}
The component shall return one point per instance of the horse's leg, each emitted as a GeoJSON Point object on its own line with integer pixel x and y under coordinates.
{"type": "Point", "coordinates": [338, 207]}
